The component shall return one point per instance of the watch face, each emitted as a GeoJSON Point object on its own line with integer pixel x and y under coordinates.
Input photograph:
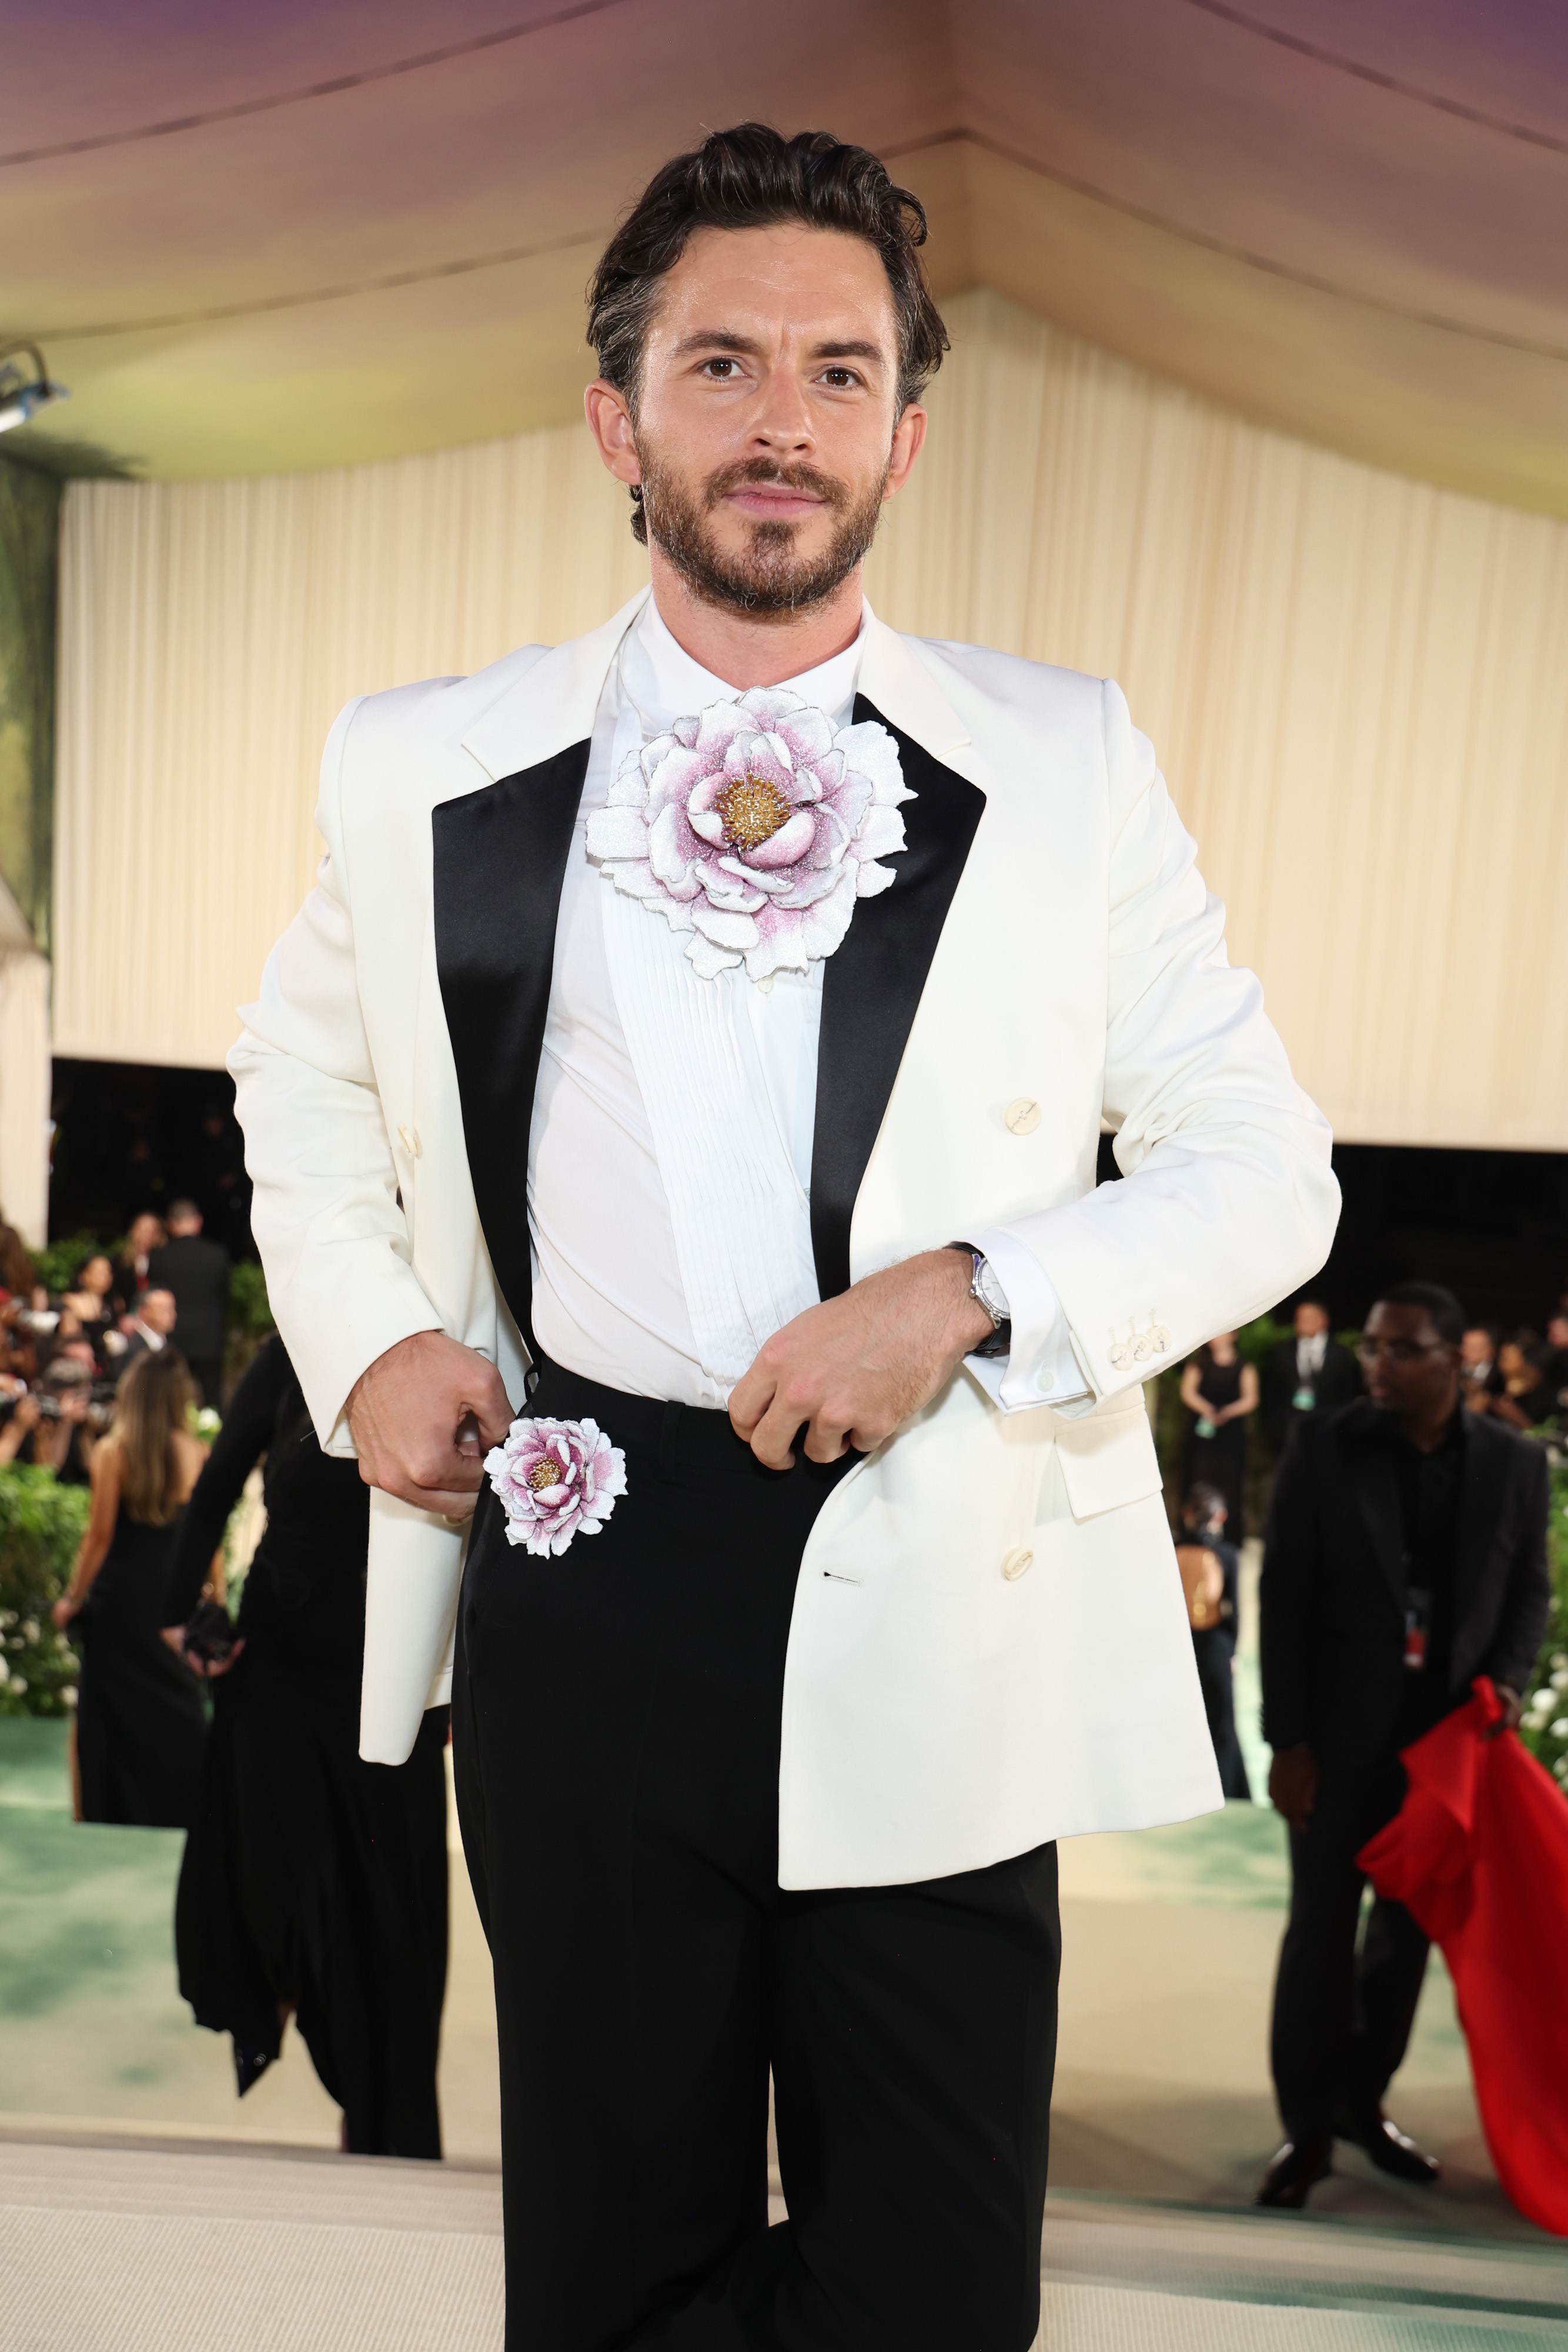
{"type": "Point", "coordinates": [990, 1290]}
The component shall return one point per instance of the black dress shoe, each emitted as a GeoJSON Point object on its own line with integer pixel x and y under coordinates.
{"type": "Point", "coordinates": [1292, 2170]}
{"type": "Point", "coordinates": [1389, 2147]}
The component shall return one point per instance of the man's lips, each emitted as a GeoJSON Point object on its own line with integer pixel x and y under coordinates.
{"type": "Point", "coordinates": [771, 499]}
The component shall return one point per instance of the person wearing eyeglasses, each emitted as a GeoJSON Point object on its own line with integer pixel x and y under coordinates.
{"type": "Point", "coordinates": [1406, 1554]}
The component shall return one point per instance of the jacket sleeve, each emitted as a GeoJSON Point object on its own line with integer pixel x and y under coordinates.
{"type": "Point", "coordinates": [243, 1440]}
{"type": "Point", "coordinates": [325, 1211]}
{"type": "Point", "coordinates": [1231, 1202]}
{"type": "Point", "coordinates": [1291, 1546]}
{"type": "Point", "coordinates": [1521, 1622]}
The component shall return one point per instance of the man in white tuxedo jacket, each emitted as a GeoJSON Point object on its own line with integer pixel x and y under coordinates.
{"type": "Point", "coordinates": [693, 1061]}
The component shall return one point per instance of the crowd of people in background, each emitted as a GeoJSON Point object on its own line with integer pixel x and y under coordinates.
{"type": "Point", "coordinates": [63, 1354]}
{"type": "Point", "coordinates": [1519, 1379]}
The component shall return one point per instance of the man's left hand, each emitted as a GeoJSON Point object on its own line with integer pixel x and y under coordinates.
{"type": "Point", "coordinates": [1512, 1708]}
{"type": "Point", "coordinates": [851, 1370]}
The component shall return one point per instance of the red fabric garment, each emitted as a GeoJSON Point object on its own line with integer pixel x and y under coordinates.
{"type": "Point", "coordinates": [1478, 1853]}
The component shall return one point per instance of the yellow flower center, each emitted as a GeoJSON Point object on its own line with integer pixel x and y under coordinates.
{"type": "Point", "coordinates": [753, 810]}
{"type": "Point", "coordinates": [547, 1473]}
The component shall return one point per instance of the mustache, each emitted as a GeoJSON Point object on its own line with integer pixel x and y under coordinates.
{"type": "Point", "coordinates": [768, 470]}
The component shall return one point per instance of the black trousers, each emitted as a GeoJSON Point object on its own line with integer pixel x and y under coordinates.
{"type": "Point", "coordinates": [1343, 2017]}
{"type": "Point", "coordinates": [616, 1726]}
{"type": "Point", "coordinates": [1214, 1646]}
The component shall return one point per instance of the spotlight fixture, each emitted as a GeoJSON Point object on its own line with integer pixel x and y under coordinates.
{"type": "Point", "coordinates": [23, 394]}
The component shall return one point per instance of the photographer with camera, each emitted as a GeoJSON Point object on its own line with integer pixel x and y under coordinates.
{"type": "Point", "coordinates": [52, 1424]}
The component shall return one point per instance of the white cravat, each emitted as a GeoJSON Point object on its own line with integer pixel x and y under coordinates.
{"type": "Point", "coordinates": [670, 1152]}
{"type": "Point", "coordinates": [1309, 1354]}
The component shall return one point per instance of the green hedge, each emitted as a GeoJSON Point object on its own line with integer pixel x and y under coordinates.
{"type": "Point", "coordinates": [58, 1265]}
{"type": "Point", "coordinates": [1545, 1729]}
{"type": "Point", "coordinates": [41, 1525]}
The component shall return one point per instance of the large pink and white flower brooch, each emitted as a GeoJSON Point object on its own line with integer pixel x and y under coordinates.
{"type": "Point", "coordinates": [755, 826]}
{"type": "Point", "coordinates": [556, 1479]}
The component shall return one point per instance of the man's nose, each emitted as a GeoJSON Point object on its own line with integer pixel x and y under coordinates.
{"type": "Point", "coordinates": [783, 423]}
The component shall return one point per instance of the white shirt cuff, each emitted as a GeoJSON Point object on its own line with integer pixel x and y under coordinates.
{"type": "Point", "coordinates": [1042, 1367]}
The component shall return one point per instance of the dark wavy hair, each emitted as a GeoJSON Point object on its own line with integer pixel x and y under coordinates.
{"type": "Point", "coordinates": [751, 177]}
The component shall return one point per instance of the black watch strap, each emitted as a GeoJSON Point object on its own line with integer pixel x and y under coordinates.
{"type": "Point", "coordinates": [1000, 1341]}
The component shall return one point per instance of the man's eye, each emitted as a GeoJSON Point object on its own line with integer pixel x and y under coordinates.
{"type": "Point", "coordinates": [720, 368]}
{"type": "Point", "coordinates": [841, 379]}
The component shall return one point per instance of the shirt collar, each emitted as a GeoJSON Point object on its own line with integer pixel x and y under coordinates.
{"type": "Point", "coordinates": [1452, 1440]}
{"type": "Point", "coordinates": [666, 683]}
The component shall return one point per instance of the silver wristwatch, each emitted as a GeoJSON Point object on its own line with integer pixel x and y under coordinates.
{"type": "Point", "coordinates": [988, 1291]}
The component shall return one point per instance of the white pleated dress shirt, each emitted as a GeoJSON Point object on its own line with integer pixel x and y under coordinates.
{"type": "Point", "coordinates": [670, 1154]}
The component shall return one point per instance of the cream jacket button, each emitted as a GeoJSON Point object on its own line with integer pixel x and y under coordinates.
{"type": "Point", "coordinates": [1022, 1117]}
{"type": "Point", "coordinates": [409, 1138]}
{"type": "Point", "coordinates": [1016, 1564]}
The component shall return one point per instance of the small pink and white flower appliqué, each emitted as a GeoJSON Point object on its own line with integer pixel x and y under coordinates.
{"type": "Point", "coordinates": [556, 1479]}
{"type": "Point", "coordinates": [755, 826]}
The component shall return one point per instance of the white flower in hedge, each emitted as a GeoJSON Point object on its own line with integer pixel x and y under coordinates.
{"type": "Point", "coordinates": [30, 1630]}
{"type": "Point", "coordinates": [755, 826]}
{"type": "Point", "coordinates": [68, 1695]}
{"type": "Point", "coordinates": [5, 1673]}
{"type": "Point", "coordinates": [18, 1683]}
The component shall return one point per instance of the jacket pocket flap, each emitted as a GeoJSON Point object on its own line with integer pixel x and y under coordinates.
{"type": "Point", "coordinates": [1108, 1457]}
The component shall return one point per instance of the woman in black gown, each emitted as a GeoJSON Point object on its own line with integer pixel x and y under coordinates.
{"type": "Point", "coordinates": [312, 1881]}
{"type": "Point", "coordinates": [1221, 1393]}
{"type": "Point", "coordinates": [141, 1727]}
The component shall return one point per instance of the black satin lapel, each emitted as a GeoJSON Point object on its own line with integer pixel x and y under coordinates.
{"type": "Point", "coordinates": [872, 986]}
{"type": "Point", "coordinates": [1487, 1457]}
{"type": "Point", "coordinates": [499, 859]}
{"type": "Point", "coordinates": [1376, 1484]}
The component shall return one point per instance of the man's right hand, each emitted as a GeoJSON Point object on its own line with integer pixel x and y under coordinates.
{"type": "Point", "coordinates": [423, 1418]}
{"type": "Point", "coordinates": [1293, 1784]}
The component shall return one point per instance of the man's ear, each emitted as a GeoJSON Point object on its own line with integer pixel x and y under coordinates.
{"type": "Point", "coordinates": [908, 437]}
{"type": "Point", "coordinates": [609, 422]}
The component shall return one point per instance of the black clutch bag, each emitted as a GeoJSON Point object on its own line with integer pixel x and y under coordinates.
{"type": "Point", "coordinates": [209, 1635]}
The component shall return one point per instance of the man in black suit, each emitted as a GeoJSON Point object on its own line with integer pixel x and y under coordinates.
{"type": "Point", "coordinates": [152, 1327]}
{"type": "Point", "coordinates": [197, 1272]}
{"type": "Point", "coordinates": [1406, 1554]}
{"type": "Point", "coordinates": [1309, 1374]}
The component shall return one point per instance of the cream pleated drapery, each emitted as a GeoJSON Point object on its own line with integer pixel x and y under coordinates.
{"type": "Point", "coordinates": [1358, 686]}
{"type": "Point", "coordinates": [24, 1076]}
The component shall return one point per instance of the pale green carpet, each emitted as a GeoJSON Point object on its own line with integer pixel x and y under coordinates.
{"type": "Point", "coordinates": [92, 2027]}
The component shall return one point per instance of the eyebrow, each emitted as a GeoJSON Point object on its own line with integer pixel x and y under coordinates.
{"type": "Point", "coordinates": [725, 339]}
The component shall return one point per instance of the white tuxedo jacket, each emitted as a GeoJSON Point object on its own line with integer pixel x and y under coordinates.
{"type": "Point", "coordinates": [988, 1646]}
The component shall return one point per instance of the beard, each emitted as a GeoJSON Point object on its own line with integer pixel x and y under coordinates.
{"type": "Point", "coordinates": [765, 578]}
